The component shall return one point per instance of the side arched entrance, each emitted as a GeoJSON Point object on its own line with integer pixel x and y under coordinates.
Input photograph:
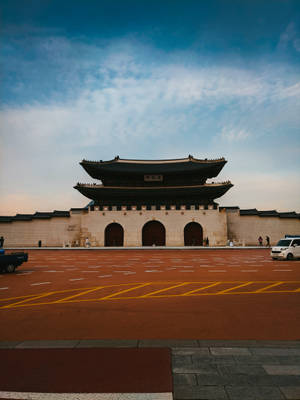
{"type": "Point", "coordinates": [154, 233]}
{"type": "Point", "coordinates": [193, 234]}
{"type": "Point", "coordinates": [114, 235]}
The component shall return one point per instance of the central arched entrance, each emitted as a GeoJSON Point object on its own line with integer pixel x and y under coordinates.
{"type": "Point", "coordinates": [114, 235]}
{"type": "Point", "coordinates": [154, 233]}
{"type": "Point", "coordinates": [193, 234]}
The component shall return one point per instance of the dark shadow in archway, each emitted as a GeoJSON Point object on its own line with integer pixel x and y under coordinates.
{"type": "Point", "coordinates": [114, 235]}
{"type": "Point", "coordinates": [154, 234]}
{"type": "Point", "coordinates": [193, 234]}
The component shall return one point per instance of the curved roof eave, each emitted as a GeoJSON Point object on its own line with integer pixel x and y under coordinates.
{"type": "Point", "coordinates": [190, 158]}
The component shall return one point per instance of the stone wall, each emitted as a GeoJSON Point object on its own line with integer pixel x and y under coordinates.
{"type": "Point", "coordinates": [52, 232]}
{"type": "Point", "coordinates": [245, 229]}
{"type": "Point", "coordinates": [218, 225]}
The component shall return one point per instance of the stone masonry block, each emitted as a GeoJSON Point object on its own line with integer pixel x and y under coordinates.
{"type": "Point", "coordinates": [185, 379]}
{"type": "Point", "coordinates": [241, 370]}
{"type": "Point", "coordinates": [282, 369]}
{"type": "Point", "coordinates": [291, 392]}
{"type": "Point", "coordinates": [191, 351]}
{"type": "Point", "coordinates": [184, 392]}
{"type": "Point", "coordinates": [230, 351]}
{"type": "Point", "coordinates": [205, 369]}
{"type": "Point", "coordinates": [275, 352]}
{"type": "Point", "coordinates": [254, 393]}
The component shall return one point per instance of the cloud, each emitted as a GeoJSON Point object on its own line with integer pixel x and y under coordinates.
{"type": "Point", "coordinates": [125, 99]}
{"type": "Point", "coordinates": [232, 134]}
{"type": "Point", "coordinates": [289, 37]}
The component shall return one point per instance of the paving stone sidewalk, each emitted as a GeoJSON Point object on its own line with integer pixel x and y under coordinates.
{"type": "Point", "coordinates": [237, 371]}
{"type": "Point", "coordinates": [215, 370]}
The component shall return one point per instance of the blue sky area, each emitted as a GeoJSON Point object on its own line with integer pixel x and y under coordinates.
{"type": "Point", "coordinates": [149, 79]}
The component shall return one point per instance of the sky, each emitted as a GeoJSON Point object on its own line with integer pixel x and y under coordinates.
{"type": "Point", "coordinates": [149, 79]}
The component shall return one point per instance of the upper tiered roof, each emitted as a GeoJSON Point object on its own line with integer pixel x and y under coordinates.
{"type": "Point", "coordinates": [130, 169]}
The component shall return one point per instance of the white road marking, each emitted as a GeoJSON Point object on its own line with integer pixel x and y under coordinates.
{"type": "Point", "coordinates": [282, 270]}
{"type": "Point", "coordinates": [121, 272]}
{"type": "Point", "coordinates": [187, 271]}
{"type": "Point", "coordinates": [3, 288]}
{"type": "Point", "coordinates": [152, 270]}
{"type": "Point", "coordinates": [24, 273]}
{"type": "Point", "coordinates": [53, 271]}
{"type": "Point", "coordinates": [40, 283]}
{"type": "Point", "coordinates": [217, 270]}
{"type": "Point", "coordinates": [76, 279]}
{"type": "Point", "coordinates": [85, 396]}
{"type": "Point", "coordinates": [104, 276]}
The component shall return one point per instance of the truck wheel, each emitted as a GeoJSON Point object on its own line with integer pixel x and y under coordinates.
{"type": "Point", "coordinates": [10, 268]}
{"type": "Point", "coordinates": [289, 256]}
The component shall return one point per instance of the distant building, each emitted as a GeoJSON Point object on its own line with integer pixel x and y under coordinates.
{"type": "Point", "coordinates": [150, 203]}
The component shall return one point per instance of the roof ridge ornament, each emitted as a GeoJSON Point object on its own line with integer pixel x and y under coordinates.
{"type": "Point", "coordinates": [156, 161]}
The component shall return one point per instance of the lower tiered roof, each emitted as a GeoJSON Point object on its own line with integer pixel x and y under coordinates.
{"type": "Point", "coordinates": [201, 194]}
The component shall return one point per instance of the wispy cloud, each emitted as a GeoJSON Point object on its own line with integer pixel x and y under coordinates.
{"type": "Point", "coordinates": [232, 134]}
{"type": "Point", "coordinates": [128, 99]}
{"type": "Point", "coordinates": [289, 37]}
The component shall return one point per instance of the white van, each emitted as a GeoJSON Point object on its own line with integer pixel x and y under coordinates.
{"type": "Point", "coordinates": [287, 248]}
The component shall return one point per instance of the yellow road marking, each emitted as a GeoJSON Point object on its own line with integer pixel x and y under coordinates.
{"type": "Point", "coordinates": [28, 299]}
{"type": "Point", "coordinates": [125, 291]}
{"type": "Point", "coordinates": [165, 289]}
{"type": "Point", "coordinates": [31, 298]}
{"type": "Point", "coordinates": [267, 287]}
{"type": "Point", "coordinates": [134, 283]}
{"type": "Point", "coordinates": [202, 288]}
{"type": "Point", "coordinates": [69, 290]}
{"type": "Point", "coordinates": [234, 287]}
{"type": "Point", "coordinates": [140, 297]}
{"type": "Point", "coordinates": [79, 294]}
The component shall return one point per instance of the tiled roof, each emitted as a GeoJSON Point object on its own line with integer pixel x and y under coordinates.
{"type": "Point", "coordinates": [37, 215]}
{"type": "Point", "coordinates": [265, 213]}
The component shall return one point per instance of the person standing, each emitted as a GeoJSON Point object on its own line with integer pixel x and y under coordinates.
{"type": "Point", "coordinates": [268, 241]}
{"type": "Point", "coordinates": [1, 241]}
{"type": "Point", "coordinates": [260, 241]}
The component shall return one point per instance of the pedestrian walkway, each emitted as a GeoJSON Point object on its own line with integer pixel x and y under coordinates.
{"type": "Point", "coordinates": [151, 369]}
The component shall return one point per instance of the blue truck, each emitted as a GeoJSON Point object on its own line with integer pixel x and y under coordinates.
{"type": "Point", "coordinates": [9, 262]}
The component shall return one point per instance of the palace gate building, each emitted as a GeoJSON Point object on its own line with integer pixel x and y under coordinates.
{"type": "Point", "coordinates": [155, 203]}
{"type": "Point", "coordinates": [149, 203]}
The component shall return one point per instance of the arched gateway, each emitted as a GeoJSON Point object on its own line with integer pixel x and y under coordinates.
{"type": "Point", "coordinates": [154, 233]}
{"type": "Point", "coordinates": [193, 234]}
{"type": "Point", "coordinates": [114, 235]}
